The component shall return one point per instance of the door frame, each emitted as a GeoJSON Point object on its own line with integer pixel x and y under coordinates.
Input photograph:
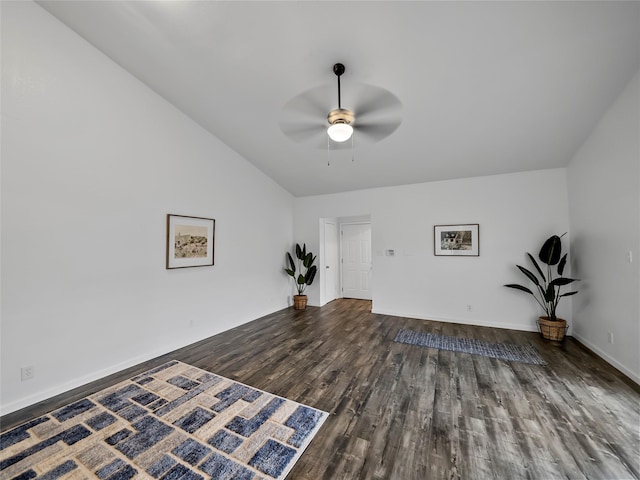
{"type": "Point", "coordinates": [339, 221]}
{"type": "Point", "coordinates": [322, 259]}
{"type": "Point", "coordinates": [325, 260]}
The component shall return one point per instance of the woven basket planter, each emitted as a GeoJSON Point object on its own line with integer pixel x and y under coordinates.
{"type": "Point", "coordinates": [300, 302]}
{"type": "Point", "coordinates": [552, 330]}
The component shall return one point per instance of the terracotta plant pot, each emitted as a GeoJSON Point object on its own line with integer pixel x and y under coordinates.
{"type": "Point", "coordinates": [552, 330]}
{"type": "Point", "coordinates": [300, 302]}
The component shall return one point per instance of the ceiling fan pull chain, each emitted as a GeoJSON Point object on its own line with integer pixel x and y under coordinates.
{"type": "Point", "coordinates": [328, 150]}
{"type": "Point", "coordinates": [353, 153]}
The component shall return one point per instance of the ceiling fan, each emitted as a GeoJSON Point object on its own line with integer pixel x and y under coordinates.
{"type": "Point", "coordinates": [373, 116]}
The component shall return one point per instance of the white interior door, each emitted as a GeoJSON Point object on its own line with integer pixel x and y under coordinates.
{"type": "Point", "coordinates": [356, 260]}
{"type": "Point", "coordinates": [330, 261]}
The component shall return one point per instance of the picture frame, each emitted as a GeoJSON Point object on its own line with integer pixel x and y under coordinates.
{"type": "Point", "coordinates": [457, 240]}
{"type": "Point", "coordinates": [190, 241]}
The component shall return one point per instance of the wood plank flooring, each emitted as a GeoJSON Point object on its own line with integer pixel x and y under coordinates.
{"type": "Point", "coordinates": [404, 412]}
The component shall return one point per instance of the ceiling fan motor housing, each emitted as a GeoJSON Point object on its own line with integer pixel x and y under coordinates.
{"type": "Point", "coordinates": [340, 115]}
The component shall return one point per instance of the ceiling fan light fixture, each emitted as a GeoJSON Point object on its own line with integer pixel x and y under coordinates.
{"type": "Point", "coordinates": [340, 132]}
{"type": "Point", "coordinates": [340, 128]}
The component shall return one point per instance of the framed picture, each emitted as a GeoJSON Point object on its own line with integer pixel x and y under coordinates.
{"type": "Point", "coordinates": [190, 241]}
{"type": "Point", "coordinates": [457, 240]}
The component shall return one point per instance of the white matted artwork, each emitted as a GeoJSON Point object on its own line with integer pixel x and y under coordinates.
{"type": "Point", "coordinates": [457, 240]}
{"type": "Point", "coordinates": [190, 241]}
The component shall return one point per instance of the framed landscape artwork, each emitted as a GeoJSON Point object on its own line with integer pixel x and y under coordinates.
{"type": "Point", "coordinates": [457, 240]}
{"type": "Point", "coordinates": [190, 241]}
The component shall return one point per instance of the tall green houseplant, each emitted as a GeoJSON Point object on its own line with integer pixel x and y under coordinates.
{"type": "Point", "coordinates": [303, 271]}
{"type": "Point", "coordinates": [547, 287]}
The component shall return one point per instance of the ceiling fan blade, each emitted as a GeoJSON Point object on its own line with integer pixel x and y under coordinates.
{"type": "Point", "coordinates": [303, 131]}
{"type": "Point", "coordinates": [313, 103]}
{"type": "Point", "coordinates": [367, 133]}
{"type": "Point", "coordinates": [370, 101]}
{"type": "Point", "coordinates": [304, 116]}
{"type": "Point", "coordinates": [374, 132]}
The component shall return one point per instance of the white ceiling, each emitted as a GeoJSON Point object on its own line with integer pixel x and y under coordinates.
{"type": "Point", "coordinates": [485, 87]}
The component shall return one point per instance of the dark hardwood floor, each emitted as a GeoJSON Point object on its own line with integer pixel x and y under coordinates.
{"type": "Point", "coordinates": [404, 412]}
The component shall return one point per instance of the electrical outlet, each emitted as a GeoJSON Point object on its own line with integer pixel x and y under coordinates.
{"type": "Point", "coordinates": [27, 373]}
{"type": "Point", "coordinates": [610, 337]}
{"type": "Point", "coordinates": [469, 308]}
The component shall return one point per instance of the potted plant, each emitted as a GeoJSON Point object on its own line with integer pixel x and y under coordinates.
{"type": "Point", "coordinates": [303, 271]}
{"type": "Point", "coordinates": [547, 287]}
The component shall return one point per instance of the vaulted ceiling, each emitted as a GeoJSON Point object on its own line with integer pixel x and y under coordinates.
{"type": "Point", "coordinates": [482, 87]}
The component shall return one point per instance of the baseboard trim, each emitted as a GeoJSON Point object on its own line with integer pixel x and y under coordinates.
{"type": "Point", "coordinates": [633, 376]}
{"type": "Point", "coordinates": [75, 383]}
{"type": "Point", "coordinates": [48, 393]}
{"type": "Point", "coordinates": [480, 323]}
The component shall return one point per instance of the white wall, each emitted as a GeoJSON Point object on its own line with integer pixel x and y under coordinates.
{"type": "Point", "coordinates": [92, 161]}
{"type": "Point", "coordinates": [604, 198]}
{"type": "Point", "coordinates": [516, 213]}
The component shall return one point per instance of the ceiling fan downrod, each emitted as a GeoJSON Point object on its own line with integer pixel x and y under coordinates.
{"type": "Point", "coordinates": [340, 119]}
{"type": "Point", "coordinates": [338, 69]}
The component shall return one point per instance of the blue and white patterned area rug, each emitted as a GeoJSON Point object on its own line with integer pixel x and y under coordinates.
{"type": "Point", "coordinates": [502, 351]}
{"type": "Point", "coordinates": [172, 422]}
